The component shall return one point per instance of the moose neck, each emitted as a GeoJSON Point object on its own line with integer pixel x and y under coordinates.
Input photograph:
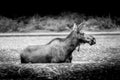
{"type": "Point", "coordinates": [71, 41]}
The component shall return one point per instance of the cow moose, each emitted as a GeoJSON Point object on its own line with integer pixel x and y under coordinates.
{"type": "Point", "coordinates": [58, 50]}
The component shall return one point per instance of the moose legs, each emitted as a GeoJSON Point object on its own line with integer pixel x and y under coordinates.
{"type": "Point", "coordinates": [69, 59]}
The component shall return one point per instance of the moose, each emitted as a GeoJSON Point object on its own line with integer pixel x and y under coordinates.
{"type": "Point", "coordinates": [58, 50]}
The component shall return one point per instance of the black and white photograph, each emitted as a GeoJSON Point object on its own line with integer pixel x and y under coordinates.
{"type": "Point", "coordinates": [59, 41]}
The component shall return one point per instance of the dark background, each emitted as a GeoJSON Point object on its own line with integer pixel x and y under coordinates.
{"type": "Point", "coordinates": [18, 9]}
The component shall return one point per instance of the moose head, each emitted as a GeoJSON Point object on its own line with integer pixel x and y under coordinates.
{"type": "Point", "coordinates": [83, 38]}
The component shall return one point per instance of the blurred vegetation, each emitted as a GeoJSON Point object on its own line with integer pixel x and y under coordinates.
{"type": "Point", "coordinates": [62, 22]}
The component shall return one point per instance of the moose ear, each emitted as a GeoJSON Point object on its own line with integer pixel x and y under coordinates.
{"type": "Point", "coordinates": [83, 24]}
{"type": "Point", "coordinates": [80, 26]}
{"type": "Point", "coordinates": [74, 27]}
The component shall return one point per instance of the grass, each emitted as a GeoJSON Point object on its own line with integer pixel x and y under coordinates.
{"type": "Point", "coordinates": [57, 71]}
{"type": "Point", "coordinates": [92, 62]}
{"type": "Point", "coordinates": [106, 47]}
{"type": "Point", "coordinates": [9, 56]}
{"type": "Point", "coordinates": [58, 23]}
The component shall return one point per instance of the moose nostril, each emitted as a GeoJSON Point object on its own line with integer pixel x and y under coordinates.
{"type": "Point", "coordinates": [94, 41]}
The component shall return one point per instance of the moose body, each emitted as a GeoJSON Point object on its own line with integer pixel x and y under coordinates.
{"type": "Point", "coordinates": [58, 50]}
